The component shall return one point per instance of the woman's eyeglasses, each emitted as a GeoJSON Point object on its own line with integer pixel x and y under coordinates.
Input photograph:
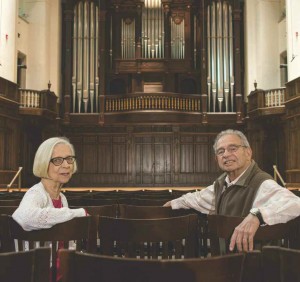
{"type": "Point", "coordinates": [59, 160]}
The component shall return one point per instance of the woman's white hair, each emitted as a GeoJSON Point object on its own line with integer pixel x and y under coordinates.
{"type": "Point", "coordinates": [44, 153]}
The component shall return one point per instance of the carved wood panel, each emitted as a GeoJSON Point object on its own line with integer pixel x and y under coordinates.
{"type": "Point", "coordinates": [153, 160]}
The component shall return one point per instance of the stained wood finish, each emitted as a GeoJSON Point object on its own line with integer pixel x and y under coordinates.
{"type": "Point", "coordinates": [78, 229]}
{"type": "Point", "coordinates": [33, 265]}
{"type": "Point", "coordinates": [221, 226]}
{"type": "Point", "coordinates": [128, 237]}
{"type": "Point", "coordinates": [144, 156]}
{"type": "Point", "coordinates": [79, 267]}
{"type": "Point", "coordinates": [293, 132]}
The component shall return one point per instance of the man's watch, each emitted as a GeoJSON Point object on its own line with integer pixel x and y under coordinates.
{"type": "Point", "coordinates": [256, 212]}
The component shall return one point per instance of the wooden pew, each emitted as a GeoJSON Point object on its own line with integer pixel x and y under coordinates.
{"type": "Point", "coordinates": [149, 238]}
{"type": "Point", "coordinates": [78, 267]}
{"type": "Point", "coordinates": [286, 234]}
{"type": "Point", "coordinates": [80, 229]}
{"type": "Point", "coordinates": [30, 266]}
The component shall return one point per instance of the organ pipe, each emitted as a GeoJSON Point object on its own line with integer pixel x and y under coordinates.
{"type": "Point", "coordinates": [97, 59]}
{"type": "Point", "coordinates": [74, 58]}
{"type": "Point", "coordinates": [177, 41]}
{"type": "Point", "coordinates": [195, 42]}
{"type": "Point", "coordinates": [152, 30]}
{"type": "Point", "coordinates": [226, 57]}
{"type": "Point", "coordinates": [85, 81]}
{"type": "Point", "coordinates": [220, 56]}
{"type": "Point", "coordinates": [79, 56]}
{"type": "Point", "coordinates": [220, 79]}
{"type": "Point", "coordinates": [214, 57]}
{"type": "Point", "coordinates": [92, 57]}
{"type": "Point", "coordinates": [209, 57]}
{"type": "Point", "coordinates": [86, 57]}
{"type": "Point", "coordinates": [128, 39]}
{"type": "Point", "coordinates": [231, 57]}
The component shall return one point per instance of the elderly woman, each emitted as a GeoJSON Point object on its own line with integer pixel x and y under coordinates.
{"type": "Point", "coordinates": [44, 205]}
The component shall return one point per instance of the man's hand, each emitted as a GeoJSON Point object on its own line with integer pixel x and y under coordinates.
{"type": "Point", "coordinates": [167, 204]}
{"type": "Point", "coordinates": [243, 234]}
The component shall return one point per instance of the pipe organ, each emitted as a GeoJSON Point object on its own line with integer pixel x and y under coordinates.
{"type": "Point", "coordinates": [152, 30]}
{"type": "Point", "coordinates": [128, 39]}
{"type": "Point", "coordinates": [85, 79]}
{"type": "Point", "coordinates": [220, 78]}
{"type": "Point", "coordinates": [177, 38]}
{"type": "Point", "coordinates": [186, 46]}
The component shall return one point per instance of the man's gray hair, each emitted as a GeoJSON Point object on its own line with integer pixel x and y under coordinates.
{"type": "Point", "coordinates": [231, 132]}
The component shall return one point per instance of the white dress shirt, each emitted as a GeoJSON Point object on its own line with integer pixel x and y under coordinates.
{"type": "Point", "coordinates": [276, 203]}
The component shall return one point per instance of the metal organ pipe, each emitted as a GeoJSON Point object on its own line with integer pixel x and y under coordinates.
{"type": "Point", "coordinates": [92, 57]}
{"type": "Point", "coordinates": [128, 38]}
{"type": "Point", "coordinates": [97, 58]}
{"type": "Point", "coordinates": [85, 81]}
{"type": "Point", "coordinates": [214, 57]}
{"type": "Point", "coordinates": [86, 57]}
{"type": "Point", "coordinates": [209, 56]}
{"type": "Point", "coordinates": [152, 30]}
{"type": "Point", "coordinates": [231, 58]}
{"type": "Point", "coordinates": [79, 56]}
{"type": "Point", "coordinates": [220, 55]}
{"type": "Point", "coordinates": [195, 42]}
{"type": "Point", "coordinates": [220, 78]}
{"type": "Point", "coordinates": [226, 58]}
{"type": "Point", "coordinates": [75, 38]}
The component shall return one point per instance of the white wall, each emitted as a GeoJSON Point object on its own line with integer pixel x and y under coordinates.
{"type": "Point", "coordinates": [55, 51]}
{"type": "Point", "coordinates": [8, 57]}
{"type": "Point", "coordinates": [38, 37]}
{"type": "Point", "coordinates": [293, 41]}
{"type": "Point", "coordinates": [262, 48]}
{"type": "Point", "coordinates": [37, 53]}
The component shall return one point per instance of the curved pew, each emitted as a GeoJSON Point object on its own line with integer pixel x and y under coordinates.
{"type": "Point", "coordinates": [80, 229]}
{"type": "Point", "coordinates": [78, 267]}
{"type": "Point", "coordinates": [221, 226]}
{"type": "Point", "coordinates": [149, 238]}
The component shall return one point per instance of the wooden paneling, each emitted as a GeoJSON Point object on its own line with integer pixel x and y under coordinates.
{"type": "Point", "coordinates": [144, 156]}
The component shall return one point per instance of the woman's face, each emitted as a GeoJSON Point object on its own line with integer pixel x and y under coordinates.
{"type": "Point", "coordinates": [61, 173]}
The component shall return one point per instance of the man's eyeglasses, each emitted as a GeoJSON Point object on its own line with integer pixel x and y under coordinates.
{"type": "Point", "coordinates": [59, 160]}
{"type": "Point", "coordinates": [230, 149]}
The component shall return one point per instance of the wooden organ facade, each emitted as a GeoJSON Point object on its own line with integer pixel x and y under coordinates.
{"type": "Point", "coordinates": [146, 86]}
{"type": "Point", "coordinates": [122, 56]}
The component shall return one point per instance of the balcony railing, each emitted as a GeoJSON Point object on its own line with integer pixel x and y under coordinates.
{"type": "Point", "coordinates": [142, 102]}
{"type": "Point", "coordinates": [274, 97]}
{"type": "Point", "coordinates": [8, 90]}
{"type": "Point", "coordinates": [34, 99]}
{"type": "Point", "coordinates": [266, 102]}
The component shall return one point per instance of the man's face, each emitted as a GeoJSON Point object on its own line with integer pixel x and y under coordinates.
{"type": "Point", "coordinates": [232, 156]}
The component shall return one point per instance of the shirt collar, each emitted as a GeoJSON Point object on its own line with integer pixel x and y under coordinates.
{"type": "Point", "coordinates": [227, 181]}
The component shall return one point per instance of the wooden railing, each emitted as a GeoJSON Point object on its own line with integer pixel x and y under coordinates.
{"type": "Point", "coordinates": [44, 99]}
{"type": "Point", "coordinates": [18, 174]}
{"type": "Point", "coordinates": [277, 174]}
{"type": "Point", "coordinates": [266, 102]}
{"type": "Point", "coordinates": [293, 89]}
{"type": "Point", "coordinates": [153, 101]}
{"type": "Point", "coordinates": [275, 97]}
{"type": "Point", "coordinates": [8, 90]}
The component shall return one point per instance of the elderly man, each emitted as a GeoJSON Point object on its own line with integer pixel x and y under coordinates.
{"type": "Point", "coordinates": [242, 190]}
